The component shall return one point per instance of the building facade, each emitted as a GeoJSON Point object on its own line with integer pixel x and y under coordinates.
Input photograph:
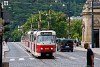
{"type": "Point", "coordinates": [87, 23]}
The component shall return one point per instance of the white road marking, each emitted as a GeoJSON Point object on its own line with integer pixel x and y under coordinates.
{"type": "Point", "coordinates": [31, 58]}
{"type": "Point", "coordinates": [21, 59]}
{"type": "Point", "coordinates": [12, 59]}
{"type": "Point", "coordinates": [58, 57]}
{"type": "Point", "coordinates": [81, 57]}
{"type": "Point", "coordinates": [72, 58]}
{"type": "Point", "coordinates": [23, 50]}
{"type": "Point", "coordinates": [97, 58]}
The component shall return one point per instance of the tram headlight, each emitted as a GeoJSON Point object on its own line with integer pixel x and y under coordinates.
{"type": "Point", "coordinates": [51, 48]}
{"type": "Point", "coordinates": [41, 48]}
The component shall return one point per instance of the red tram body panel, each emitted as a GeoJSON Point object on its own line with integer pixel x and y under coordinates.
{"type": "Point", "coordinates": [40, 42]}
{"type": "Point", "coordinates": [45, 48]}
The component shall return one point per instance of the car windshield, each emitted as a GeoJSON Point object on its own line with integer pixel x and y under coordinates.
{"type": "Point", "coordinates": [67, 42]}
{"type": "Point", "coordinates": [46, 39]}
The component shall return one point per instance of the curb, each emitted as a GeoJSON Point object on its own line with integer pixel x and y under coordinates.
{"type": "Point", "coordinates": [5, 49]}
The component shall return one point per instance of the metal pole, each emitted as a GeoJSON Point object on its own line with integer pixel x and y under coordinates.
{"type": "Point", "coordinates": [49, 19]}
{"type": "Point", "coordinates": [92, 24]}
{"type": "Point", "coordinates": [39, 23]}
{"type": "Point", "coordinates": [49, 23]}
{"type": "Point", "coordinates": [0, 51]}
{"type": "Point", "coordinates": [32, 24]}
{"type": "Point", "coordinates": [69, 24]}
{"type": "Point", "coordinates": [1, 16]}
{"type": "Point", "coordinates": [69, 16]}
{"type": "Point", "coordinates": [69, 36]}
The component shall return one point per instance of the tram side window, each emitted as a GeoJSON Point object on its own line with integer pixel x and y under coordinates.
{"type": "Point", "coordinates": [32, 38]}
{"type": "Point", "coordinates": [29, 37]}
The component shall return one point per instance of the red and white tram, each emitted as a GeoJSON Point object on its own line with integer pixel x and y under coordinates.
{"type": "Point", "coordinates": [40, 43]}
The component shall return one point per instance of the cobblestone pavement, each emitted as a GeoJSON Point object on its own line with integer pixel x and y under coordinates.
{"type": "Point", "coordinates": [95, 50]}
{"type": "Point", "coordinates": [19, 57]}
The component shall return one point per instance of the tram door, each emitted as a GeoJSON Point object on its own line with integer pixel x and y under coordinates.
{"type": "Point", "coordinates": [31, 42]}
{"type": "Point", "coordinates": [96, 38]}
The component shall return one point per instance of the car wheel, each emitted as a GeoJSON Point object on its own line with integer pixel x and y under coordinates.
{"type": "Point", "coordinates": [57, 49]}
{"type": "Point", "coordinates": [68, 50]}
{"type": "Point", "coordinates": [71, 50]}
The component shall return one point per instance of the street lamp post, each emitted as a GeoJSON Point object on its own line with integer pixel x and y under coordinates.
{"type": "Point", "coordinates": [2, 24]}
{"type": "Point", "coordinates": [32, 23]}
{"type": "Point", "coordinates": [92, 24]}
{"type": "Point", "coordinates": [1, 16]}
{"type": "Point", "coordinates": [39, 22]}
{"type": "Point", "coordinates": [69, 35]}
{"type": "Point", "coordinates": [69, 14]}
{"type": "Point", "coordinates": [49, 12]}
{"type": "Point", "coordinates": [49, 22]}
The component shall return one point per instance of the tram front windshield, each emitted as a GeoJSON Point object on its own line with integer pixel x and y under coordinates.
{"type": "Point", "coordinates": [46, 39]}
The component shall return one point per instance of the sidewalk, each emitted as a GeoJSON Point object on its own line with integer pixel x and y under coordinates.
{"type": "Point", "coordinates": [95, 50]}
{"type": "Point", "coordinates": [4, 49]}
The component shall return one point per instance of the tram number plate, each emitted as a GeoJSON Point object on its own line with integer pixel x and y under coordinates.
{"type": "Point", "coordinates": [47, 54]}
{"type": "Point", "coordinates": [46, 48]}
{"type": "Point", "coordinates": [67, 46]}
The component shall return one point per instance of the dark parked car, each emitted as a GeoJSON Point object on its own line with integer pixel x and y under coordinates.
{"type": "Point", "coordinates": [65, 45]}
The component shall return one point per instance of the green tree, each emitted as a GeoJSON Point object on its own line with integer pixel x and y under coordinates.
{"type": "Point", "coordinates": [20, 10]}
{"type": "Point", "coordinates": [57, 22]}
{"type": "Point", "coordinates": [76, 29]}
{"type": "Point", "coordinates": [16, 35]}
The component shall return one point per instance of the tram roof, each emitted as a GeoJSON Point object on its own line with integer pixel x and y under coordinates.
{"type": "Point", "coordinates": [34, 32]}
{"type": "Point", "coordinates": [30, 32]}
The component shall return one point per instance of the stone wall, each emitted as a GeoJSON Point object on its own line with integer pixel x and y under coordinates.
{"type": "Point", "coordinates": [87, 22]}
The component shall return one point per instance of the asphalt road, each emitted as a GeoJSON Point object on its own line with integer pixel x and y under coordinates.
{"type": "Point", "coordinates": [19, 57]}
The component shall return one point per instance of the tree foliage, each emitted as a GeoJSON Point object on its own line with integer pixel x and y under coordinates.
{"type": "Point", "coordinates": [16, 35]}
{"type": "Point", "coordinates": [20, 10]}
{"type": "Point", "coordinates": [76, 29]}
{"type": "Point", "coordinates": [57, 22]}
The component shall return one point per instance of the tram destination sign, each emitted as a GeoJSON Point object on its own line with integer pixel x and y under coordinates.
{"type": "Point", "coordinates": [46, 33]}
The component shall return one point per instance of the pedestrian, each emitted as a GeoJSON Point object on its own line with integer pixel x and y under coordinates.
{"type": "Point", "coordinates": [6, 40]}
{"type": "Point", "coordinates": [77, 42]}
{"type": "Point", "coordinates": [90, 55]}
